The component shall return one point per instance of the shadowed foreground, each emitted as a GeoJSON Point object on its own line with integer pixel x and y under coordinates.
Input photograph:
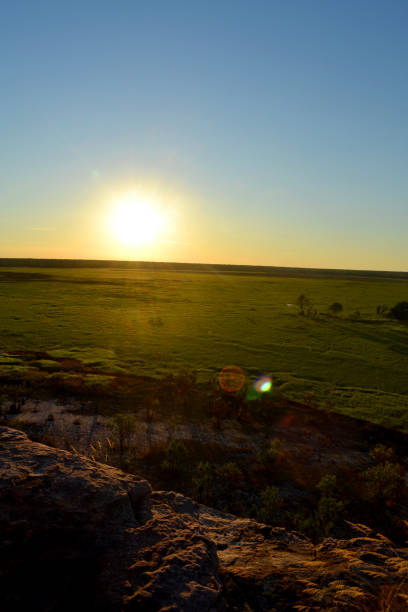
{"type": "Point", "coordinates": [81, 535]}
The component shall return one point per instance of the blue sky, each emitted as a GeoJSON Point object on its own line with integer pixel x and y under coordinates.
{"type": "Point", "coordinates": [274, 132]}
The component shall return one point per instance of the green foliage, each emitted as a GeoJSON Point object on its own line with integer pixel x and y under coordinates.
{"type": "Point", "coordinates": [307, 524]}
{"type": "Point", "coordinates": [306, 307]}
{"type": "Point", "coordinates": [230, 474]}
{"type": "Point", "coordinates": [329, 509]}
{"type": "Point", "coordinates": [383, 482]}
{"type": "Point", "coordinates": [382, 309]}
{"type": "Point", "coordinates": [3, 400]}
{"type": "Point", "coordinates": [335, 308]}
{"type": "Point", "coordinates": [203, 482]}
{"type": "Point", "coordinates": [271, 504]}
{"type": "Point", "coordinates": [124, 425]}
{"type": "Point", "coordinates": [18, 424]}
{"type": "Point", "coordinates": [303, 304]}
{"type": "Point", "coordinates": [177, 457]}
{"type": "Point", "coordinates": [399, 311]}
{"type": "Point", "coordinates": [365, 362]}
{"type": "Point", "coordinates": [269, 454]}
{"type": "Point", "coordinates": [382, 454]}
{"type": "Point", "coordinates": [327, 485]}
{"type": "Point", "coordinates": [329, 512]}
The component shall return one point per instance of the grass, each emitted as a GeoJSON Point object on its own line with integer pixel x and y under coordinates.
{"type": "Point", "coordinates": [156, 321]}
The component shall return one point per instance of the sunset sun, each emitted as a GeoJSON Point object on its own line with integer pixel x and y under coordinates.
{"type": "Point", "coordinates": [136, 221]}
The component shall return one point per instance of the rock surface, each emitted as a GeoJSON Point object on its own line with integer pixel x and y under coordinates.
{"type": "Point", "coordinates": [80, 535]}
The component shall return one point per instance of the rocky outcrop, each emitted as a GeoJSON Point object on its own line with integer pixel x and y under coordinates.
{"type": "Point", "coordinates": [80, 535]}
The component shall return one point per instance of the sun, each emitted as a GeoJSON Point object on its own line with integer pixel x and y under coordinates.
{"type": "Point", "coordinates": [136, 221]}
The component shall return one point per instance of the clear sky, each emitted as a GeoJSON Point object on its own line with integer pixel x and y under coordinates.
{"type": "Point", "coordinates": [260, 131]}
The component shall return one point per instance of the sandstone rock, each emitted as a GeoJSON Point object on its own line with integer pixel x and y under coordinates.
{"type": "Point", "coordinates": [80, 535]}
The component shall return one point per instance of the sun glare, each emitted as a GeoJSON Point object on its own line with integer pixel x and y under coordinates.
{"type": "Point", "coordinates": [136, 221]}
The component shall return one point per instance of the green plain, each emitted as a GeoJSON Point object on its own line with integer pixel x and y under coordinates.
{"type": "Point", "coordinates": [159, 321]}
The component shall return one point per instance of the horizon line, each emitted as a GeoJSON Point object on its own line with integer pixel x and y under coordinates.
{"type": "Point", "coordinates": [187, 263]}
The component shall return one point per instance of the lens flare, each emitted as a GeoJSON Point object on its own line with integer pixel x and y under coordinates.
{"type": "Point", "coordinates": [263, 384]}
{"type": "Point", "coordinates": [231, 378]}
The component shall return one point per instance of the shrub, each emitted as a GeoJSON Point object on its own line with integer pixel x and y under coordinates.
{"type": "Point", "coordinates": [399, 311]}
{"type": "Point", "coordinates": [335, 308]}
{"type": "Point", "coordinates": [382, 454]}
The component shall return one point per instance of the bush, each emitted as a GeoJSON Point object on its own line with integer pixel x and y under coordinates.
{"type": "Point", "coordinates": [399, 311]}
{"type": "Point", "coordinates": [335, 308]}
{"type": "Point", "coordinates": [382, 454]}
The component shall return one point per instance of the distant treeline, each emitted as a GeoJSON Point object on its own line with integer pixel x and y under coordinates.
{"type": "Point", "coordinates": [205, 268]}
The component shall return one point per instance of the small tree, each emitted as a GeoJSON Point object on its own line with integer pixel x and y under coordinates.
{"type": "Point", "coordinates": [329, 509]}
{"type": "Point", "coordinates": [203, 482]}
{"type": "Point", "coordinates": [336, 308]}
{"type": "Point", "coordinates": [269, 454]}
{"type": "Point", "coordinates": [327, 485]}
{"type": "Point", "coordinates": [230, 474]}
{"type": "Point", "coordinates": [304, 304]}
{"type": "Point", "coordinates": [123, 425]}
{"type": "Point", "coordinates": [271, 504]}
{"type": "Point", "coordinates": [177, 457]}
{"type": "Point", "coordinates": [383, 482]}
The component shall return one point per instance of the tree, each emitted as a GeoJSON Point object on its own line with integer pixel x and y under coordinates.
{"type": "Point", "coordinates": [230, 474]}
{"type": "Point", "coordinates": [123, 425]}
{"type": "Point", "coordinates": [306, 308]}
{"type": "Point", "coordinates": [383, 482]}
{"type": "Point", "coordinates": [329, 509]}
{"type": "Point", "coordinates": [327, 485]}
{"type": "Point", "coordinates": [399, 311]}
{"type": "Point", "coordinates": [203, 482]}
{"type": "Point", "coordinates": [271, 504]}
{"type": "Point", "coordinates": [303, 304]}
{"type": "Point", "coordinates": [268, 455]}
{"type": "Point", "coordinates": [335, 308]}
{"type": "Point", "coordinates": [177, 457]}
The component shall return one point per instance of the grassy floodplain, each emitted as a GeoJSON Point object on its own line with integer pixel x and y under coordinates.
{"type": "Point", "coordinates": [156, 319]}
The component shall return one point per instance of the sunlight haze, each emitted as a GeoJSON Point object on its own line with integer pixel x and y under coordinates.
{"type": "Point", "coordinates": [273, 133]}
